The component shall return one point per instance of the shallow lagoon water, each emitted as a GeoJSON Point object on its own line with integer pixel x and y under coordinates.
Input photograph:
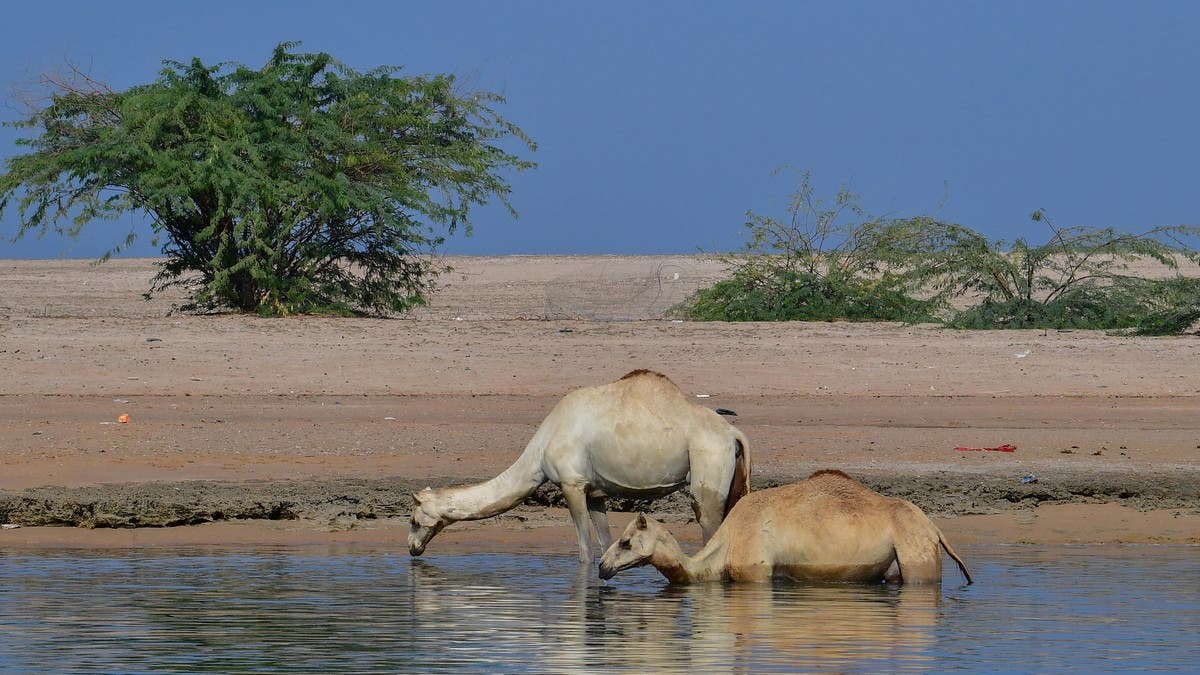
{"type": "Point", "coordinates": [332, 610]}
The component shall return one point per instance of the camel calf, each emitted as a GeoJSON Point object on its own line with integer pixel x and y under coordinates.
{"type": "Point", "coordinates": [829, 527]}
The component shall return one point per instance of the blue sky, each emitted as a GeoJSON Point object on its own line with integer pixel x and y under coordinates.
{"type": "Point", "coordinates": [659, 124]}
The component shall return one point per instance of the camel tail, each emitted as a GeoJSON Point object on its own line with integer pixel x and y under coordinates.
{"type": "Point", "coordinates": [740, 485]}
{"type": "Point", "coordinates": [962, 566]}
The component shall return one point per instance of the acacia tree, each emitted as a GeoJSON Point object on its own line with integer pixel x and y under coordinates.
{"type": "Point", "coordinates": [302, 186]}
{"type": "Point", "coordinates": [832, 261]}
{"type": "Point", "coordinates": [1079, 278]}
{"type": "Point", "coordinates": [821, 262]}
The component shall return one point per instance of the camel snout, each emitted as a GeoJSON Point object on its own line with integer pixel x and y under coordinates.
{"type": "Point", "coordinates": [415, 548]}
{"type": "Point", "coordinates": [610, 564]}
{"type": "Point", "coordinates": [607, 572]}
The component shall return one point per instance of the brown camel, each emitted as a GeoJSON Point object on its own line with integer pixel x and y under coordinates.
{"type": "Point", "coordinates": [637, 437]}
{"type": "Point", "coordinates": [829, 527]}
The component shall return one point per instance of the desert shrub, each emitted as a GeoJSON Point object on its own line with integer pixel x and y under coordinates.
{"type": "Point", "coordinates": [1140, 306]}
{"type": "Point", "coordinates": [1079, 278]}
{"type": "Point", "coordinates": [826, 263]}
{"type": "Point", "coordinates": [1078, 308]}
{"type": "Point", "coordinates": [820, 263]}
{"type": "Point", "coordinates": [1171, 306]}
{"type": "Point", "coordinates": [800, 296]}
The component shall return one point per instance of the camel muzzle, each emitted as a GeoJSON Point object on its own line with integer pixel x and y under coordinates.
{"type": "Point", "coordinates": [416, 548]}
{"type": "Point", "coordinates": [609, 570]}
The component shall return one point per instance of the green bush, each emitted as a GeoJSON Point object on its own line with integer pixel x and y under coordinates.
{"type": "Point", "coordinates": [1172, 306]}
{"type": "Point", "coordinates": [1079, 308]}
{"type": "Point", "coordinates": [835, 263]}
{"type": "Point", "coordinates": [1080, 278]}
{"type": "Point", "coordinates": [821, 263]}
{"type": "Point", "coordinates": [801, 296]}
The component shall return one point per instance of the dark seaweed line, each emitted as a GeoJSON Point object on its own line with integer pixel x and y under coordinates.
{"type": "Point", "coordinates": [335, 501]}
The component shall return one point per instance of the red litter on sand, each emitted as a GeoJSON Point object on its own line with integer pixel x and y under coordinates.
{"type": "Point", "coordinates": [999, 448]}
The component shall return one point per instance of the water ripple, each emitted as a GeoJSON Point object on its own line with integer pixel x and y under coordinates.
{"type": "Point", "coordinates": [1034, 609]}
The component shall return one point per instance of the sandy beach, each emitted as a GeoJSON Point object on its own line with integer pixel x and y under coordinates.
{"type": "Point", "coordinates": [313, 430]}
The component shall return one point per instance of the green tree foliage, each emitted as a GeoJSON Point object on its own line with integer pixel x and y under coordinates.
{"type": "Point", "coordinates": [829, 263]}
{"type": "Point", "coordinates": [303, 186]}
{"type": "Point", "coordinates": [1079, 278]}
{"type": "Point", "coordinates": [822, 263]}
{"type": "Point", "coordinates": [1172, 306]}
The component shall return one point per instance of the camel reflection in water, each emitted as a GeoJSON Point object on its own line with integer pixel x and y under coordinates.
{"type": "Point", "coordinates": [647, 624]}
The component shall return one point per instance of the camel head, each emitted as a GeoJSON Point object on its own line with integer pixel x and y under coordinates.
{"type": "Point", "coordinates": [426, 521]}
{"type": "Point", "coordinates": [635, 548]}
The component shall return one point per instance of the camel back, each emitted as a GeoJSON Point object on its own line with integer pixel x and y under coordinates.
{"type": "Point", "coordinates": [740, 485]}
{"type": "Point", "coordinates": [941, 538]}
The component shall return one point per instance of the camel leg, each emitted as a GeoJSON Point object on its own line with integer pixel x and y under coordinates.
{"type": "Point", "coordinates": [712, 471]}
{"type": "Point", "coordinates": [892, 575]}
{"type": "Point", "coordinates": [577, 504]}
{"type": "Point", "coordinates": [917, 551]}
{"type": "Point", "coordinates": [756, 573]}
{"type": "Point", "coordinates": [598, 510]}
{"type": "Point", "coordinates": [709, 507]}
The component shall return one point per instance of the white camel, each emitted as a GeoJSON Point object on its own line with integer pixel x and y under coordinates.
{"type": "Point", "coordinates": [637, 437]}
{"type": "Point", "coordinates": [829, 527]}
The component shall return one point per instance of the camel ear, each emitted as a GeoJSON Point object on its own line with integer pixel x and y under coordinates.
{"type": "Point", "coordinates": [641, 521]}
{"type": "Point", "coordinates": [416, 497]}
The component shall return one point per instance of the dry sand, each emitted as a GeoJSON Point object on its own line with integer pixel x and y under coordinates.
{"type": "Point", "coordinates": [315, 430]}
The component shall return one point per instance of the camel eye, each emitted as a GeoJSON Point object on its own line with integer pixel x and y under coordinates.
{"type": "Point", "coordinates": [626, 544]}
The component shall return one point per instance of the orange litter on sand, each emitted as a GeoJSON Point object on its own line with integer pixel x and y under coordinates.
{"type": "Point", "coordinates": [123, 418]}
{"type": "Point", "coordinates": [999, 448]}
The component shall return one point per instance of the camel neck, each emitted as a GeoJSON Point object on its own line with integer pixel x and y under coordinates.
{"type": "Point", "coordinates": [495, 496]}
{"type": "Point", "coordinates": [680, 568]}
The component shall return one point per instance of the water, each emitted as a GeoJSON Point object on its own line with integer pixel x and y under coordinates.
{"type": "Point", "coordinates": [1033, 609]}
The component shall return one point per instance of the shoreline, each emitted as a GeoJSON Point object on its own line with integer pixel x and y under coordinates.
{"type": "Point", "coordinates": [1078, 507]}
{"type": "Point", "coordinates": [333, 421]}
{"type": "Point", "coordinates": [548, 532]}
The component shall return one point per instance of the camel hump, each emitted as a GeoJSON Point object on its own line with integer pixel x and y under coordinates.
{"type": "Point", "coordinates": [834, 473]}
{"type": "Point", "coordinates": [840, 485]}
{"type": "Point", "coordinates": [644, 372]}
